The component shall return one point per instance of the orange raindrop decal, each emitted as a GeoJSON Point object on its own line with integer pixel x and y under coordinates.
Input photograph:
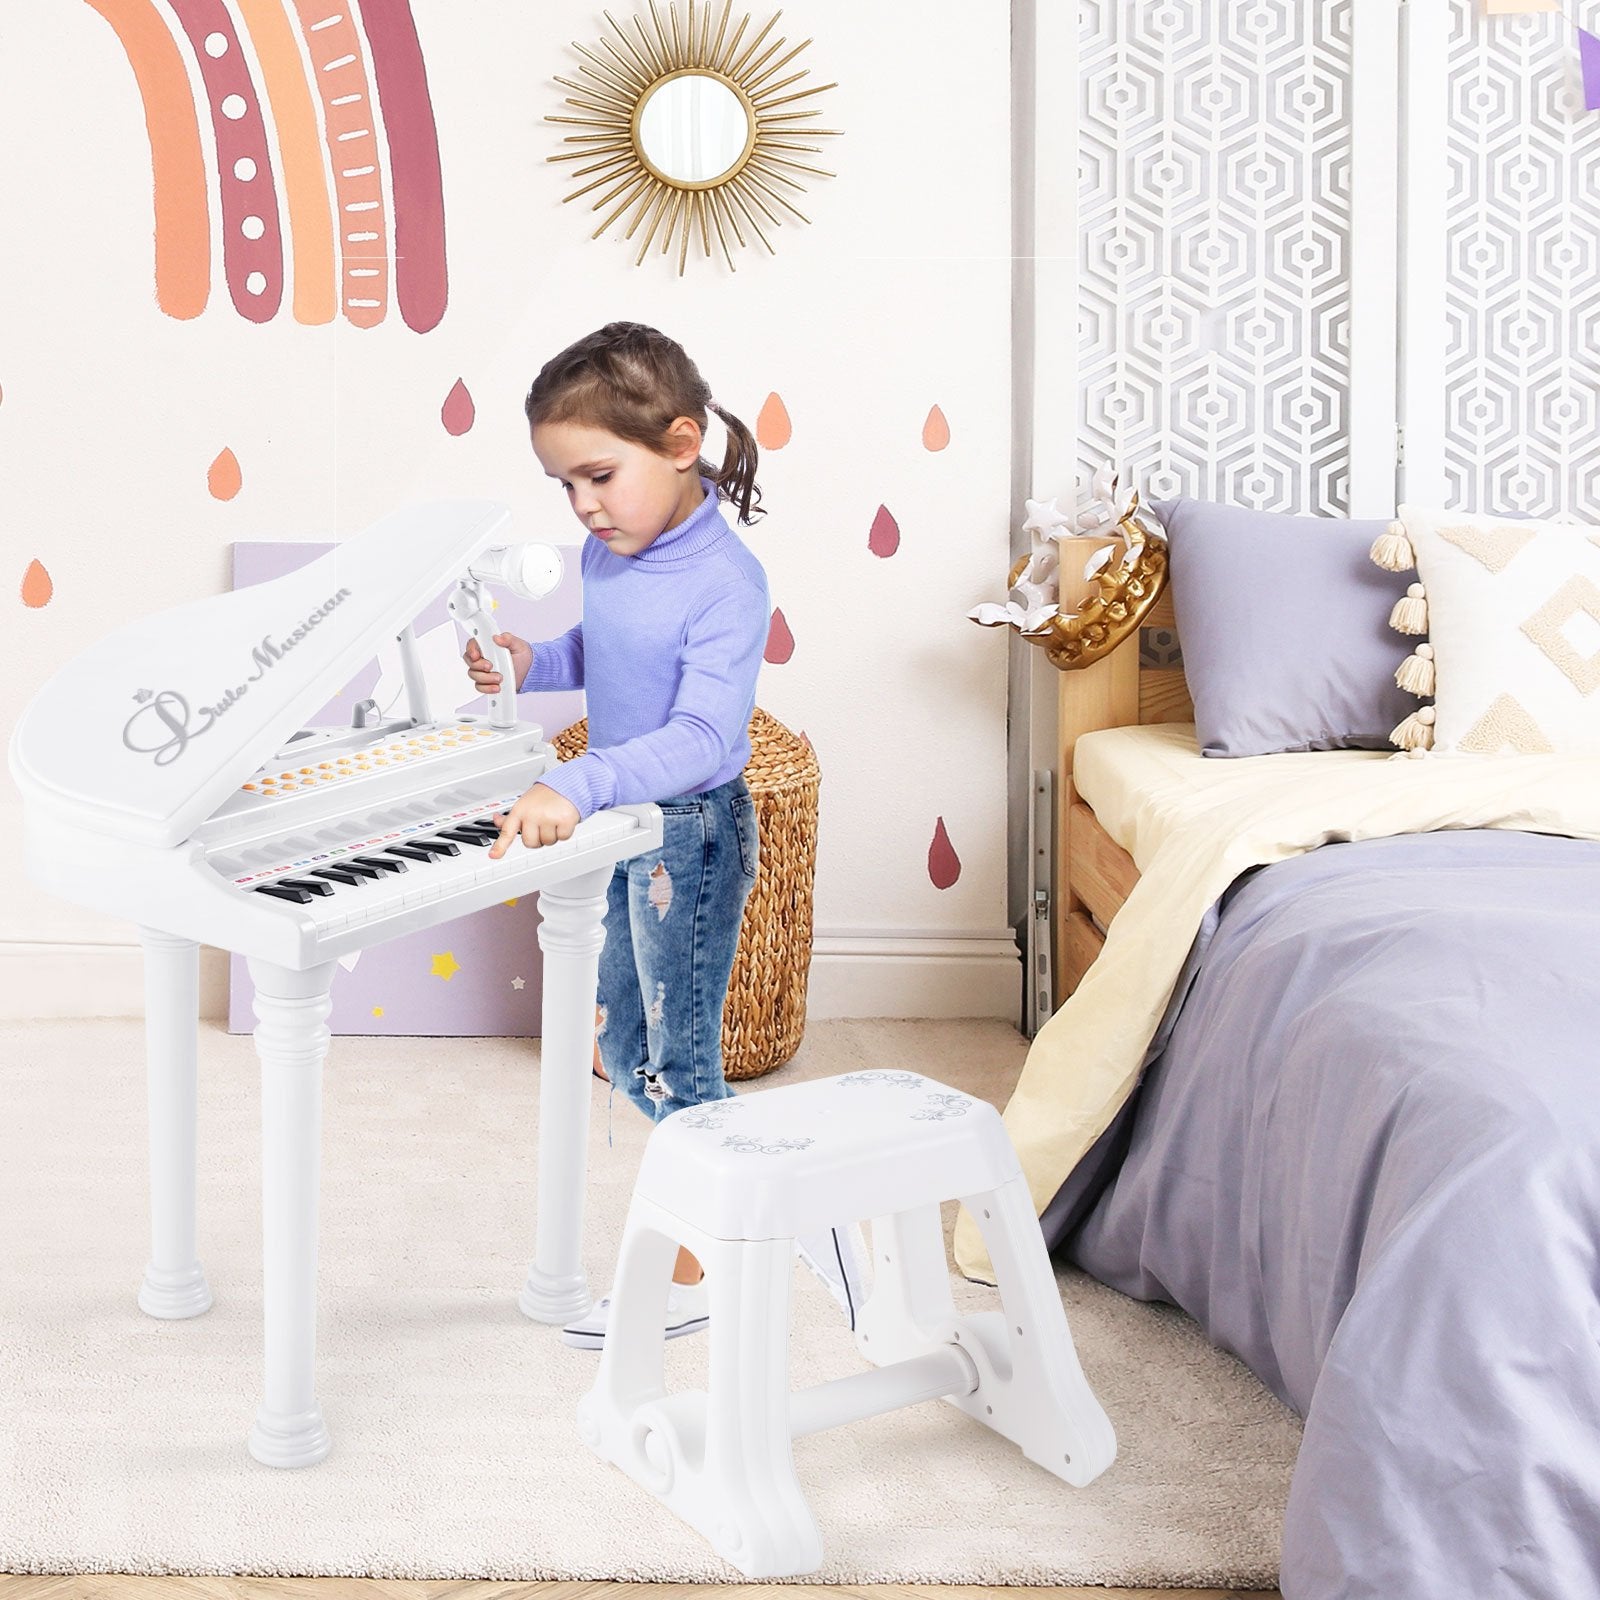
{"type": "Point", "coordinates": [223, 477]}
{"type": "Point", "coordinates": [780, 642]}
{"type": "Point", "coordinates": [36, 585]}
{"type": "Point", "coordinates": [944, 865]}
{"type": "Point", "coordinates": [935, 431]}
{"type": "Point", "coordinates": [458, 412]}
{"type": "Point", "coordinates": [884, 539]}
{"type": "Point", "coordinates": [773, 428]}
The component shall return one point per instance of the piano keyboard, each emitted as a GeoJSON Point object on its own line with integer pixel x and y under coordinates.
{"type": "Point", "coordinates": [393, 872]}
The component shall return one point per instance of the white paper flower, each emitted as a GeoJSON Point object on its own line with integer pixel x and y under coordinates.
{"type": "Point", "coordinates": [1100, 558]}
{"type": "Point", "coordinates": [1101, 504]}
{"type": "Point", "coordinates": [1046, 519]}
{"type": "Point", "coordinates": [1044, 566]}
{"type": "Point", "coordinates": [1014, 615]}
{"type": "Point", "coordinates": [1030, 596]}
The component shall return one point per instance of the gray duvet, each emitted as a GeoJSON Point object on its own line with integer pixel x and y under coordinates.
{"type": "Point", "coordinates": [1367, 1160]}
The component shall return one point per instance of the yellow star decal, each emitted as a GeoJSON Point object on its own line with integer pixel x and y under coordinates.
{"type": "Point", "coordinates": [508, 902]}
{"type": "Point", "coordinates": [377, 1011]}
{"type": "Point", "coordinates": [445, 966]}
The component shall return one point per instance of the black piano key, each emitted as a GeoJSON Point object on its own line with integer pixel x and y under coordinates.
{"type": "Point", "coordinates": [379, 863]}
{"type": "Point", "coordinates": [336, 875]}
{"type": "Point", "coordinates": [437, 847]}
{"type": "Point", "coordinates": [409, 851]}
{"type": "Point", "coordinates": [315, 885]}
{"type": "Point", "coordinates": [482, 825]}
{"type": "Point", "coordinates": [284, 891]}
{"type": "Point", "coordinates": [354, 864]}
{"type": "Point", "coordinates": [467, 836]}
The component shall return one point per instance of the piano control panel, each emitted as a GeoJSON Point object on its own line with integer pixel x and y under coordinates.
{"type": "Point", "coordinates": [320, 763]}
{"type": "Point", "coordinates": [328, 787]}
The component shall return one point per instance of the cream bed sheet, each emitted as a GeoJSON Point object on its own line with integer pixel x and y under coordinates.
{"type": "Point", "coordinates": [1191, 835]}
{"type": "Point", "coordinates": [1142, 783]}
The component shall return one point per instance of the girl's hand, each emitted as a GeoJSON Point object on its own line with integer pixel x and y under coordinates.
{"type": "Point", "coordinates": [481, 670]}
{"type": "Point", "coordinates": [541, 816]}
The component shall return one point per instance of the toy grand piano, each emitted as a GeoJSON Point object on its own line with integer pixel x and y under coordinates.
{"type": "Point", "coordinates": [166, 778]}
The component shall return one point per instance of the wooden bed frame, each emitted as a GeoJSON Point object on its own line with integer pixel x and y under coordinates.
{"type": "Point", "coordinates": [1094, 874]}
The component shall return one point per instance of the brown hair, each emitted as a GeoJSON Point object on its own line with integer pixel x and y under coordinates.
{"type": "Point", "coordinates": [634, 382]}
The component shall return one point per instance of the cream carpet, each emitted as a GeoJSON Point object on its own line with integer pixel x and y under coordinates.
{"type": "Point", "coordinates": [455, 1450]}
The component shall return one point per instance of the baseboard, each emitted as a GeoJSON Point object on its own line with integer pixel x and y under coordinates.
{"type": "Point", "coordinates": [907, 974]}
{"type": "Point", "coordinates": [898, 974]}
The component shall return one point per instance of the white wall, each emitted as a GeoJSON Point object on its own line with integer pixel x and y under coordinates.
{"type": "Point", "coordinates": [896, 298]}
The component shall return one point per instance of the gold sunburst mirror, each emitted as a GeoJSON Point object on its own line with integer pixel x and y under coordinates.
{"type": "Point", "coordinates": [690, 130]}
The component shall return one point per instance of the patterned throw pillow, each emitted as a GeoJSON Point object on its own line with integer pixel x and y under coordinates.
{"type": "Point", "coordinates": [1511, 611]}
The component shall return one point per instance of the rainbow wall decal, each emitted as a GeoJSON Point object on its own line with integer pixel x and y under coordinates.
{"type": "Point", "coordinates": [332, 74]}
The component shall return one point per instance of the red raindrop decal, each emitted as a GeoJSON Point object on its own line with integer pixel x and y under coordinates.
{"type": "Point", "coordinates": [773, 428]}
{"type": "Point", "coordinates": [884, 539]}
{"type": "Point", "coordinates": [458, 412]}
{"type": "Point", "coordinates": [780, 642]}
{"type": "Point", "coordinates": [935, 431]}
{"type": "Point", "coordinates": [944, 865]}
{"type": "Point", "coordinates": [223, 477]}
{"type": "Point", "coordinates": [36, 585]}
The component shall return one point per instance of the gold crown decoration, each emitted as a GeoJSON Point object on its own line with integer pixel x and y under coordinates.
{"type": "Point", "coordinates": [1121, 594]}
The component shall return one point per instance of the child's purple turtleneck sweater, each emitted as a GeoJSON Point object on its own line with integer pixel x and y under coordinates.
{"type": "Point", "coordinates": [667, 656]}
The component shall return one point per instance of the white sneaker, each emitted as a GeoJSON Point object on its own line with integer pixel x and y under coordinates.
{"type": "Point", "coordinates": [688, 1311]}
{"type": "Point", "coordinates": [839, 1259]}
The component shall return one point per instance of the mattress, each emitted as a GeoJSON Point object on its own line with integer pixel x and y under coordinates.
{"type": "Point", "coordinates": [1145, 783]}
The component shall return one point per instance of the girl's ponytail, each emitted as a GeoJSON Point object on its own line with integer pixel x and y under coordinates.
{"type": "Point", "coordinates": [736, 477]}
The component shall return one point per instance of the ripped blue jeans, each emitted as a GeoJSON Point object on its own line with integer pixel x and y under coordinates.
{"type": "Point", "coordinates": [672, 924]}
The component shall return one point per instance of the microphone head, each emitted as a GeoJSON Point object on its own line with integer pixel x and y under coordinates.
{"type": "Point", "coordinates": [530, 570]}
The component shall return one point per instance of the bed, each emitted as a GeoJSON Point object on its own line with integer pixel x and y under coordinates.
{"type": "Point", "coordinates": [1325, 1080]}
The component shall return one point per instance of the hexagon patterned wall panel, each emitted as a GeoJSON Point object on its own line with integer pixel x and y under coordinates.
{"type": "Point", "coordinates": [1215, 213]}
{"type": "Point", "coordinates": [1522, 298]}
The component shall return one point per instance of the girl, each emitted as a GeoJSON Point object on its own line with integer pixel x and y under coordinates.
{"type": "Point", "coordinates": [675, 618]}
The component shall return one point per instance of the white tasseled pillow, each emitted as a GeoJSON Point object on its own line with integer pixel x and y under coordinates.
{"type": "Point", "coordinates": [1511, 611]}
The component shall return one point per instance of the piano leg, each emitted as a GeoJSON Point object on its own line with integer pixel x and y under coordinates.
{"type": "Point", "coordinates": [174, 1285]}
{"type": "Point", "coordinates": [292, 1041]}
{"type": "Point", "coordinates": [571, 932]}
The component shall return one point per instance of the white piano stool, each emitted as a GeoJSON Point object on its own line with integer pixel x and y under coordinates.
{"type": "Point", "coordinates": [737, 1181]}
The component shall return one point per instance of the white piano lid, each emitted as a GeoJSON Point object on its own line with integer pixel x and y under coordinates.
{"type": "Point", "coordinates": [148, 731]}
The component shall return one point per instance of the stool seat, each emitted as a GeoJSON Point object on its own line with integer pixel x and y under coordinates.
{"type": "Point", "coordinates": [778, 1164]}
{"type": "Point", "coordinates": [737, 1182]}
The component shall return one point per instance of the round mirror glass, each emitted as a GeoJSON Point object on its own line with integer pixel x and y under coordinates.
{"type": "Point", "coordinates": [693, 128]}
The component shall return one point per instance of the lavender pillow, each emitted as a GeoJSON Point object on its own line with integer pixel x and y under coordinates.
{"type": "Point", "coordinates": [1284, 626]}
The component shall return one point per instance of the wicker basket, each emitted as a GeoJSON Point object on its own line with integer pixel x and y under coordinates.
{"type": "Point", "coordinates": [765, 1017]}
